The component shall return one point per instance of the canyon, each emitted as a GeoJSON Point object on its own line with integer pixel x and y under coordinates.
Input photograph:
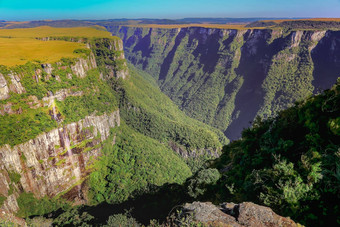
{"type": "Point", "coordinates": [227, 77]}
{"type": "Point", "coordinates": [147, 113]}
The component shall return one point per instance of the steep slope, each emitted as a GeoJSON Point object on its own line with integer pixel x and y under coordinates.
{"type": "Point", "coordinates": [144, 108]}
{"type": "Point", "coordinates": [227, 77]}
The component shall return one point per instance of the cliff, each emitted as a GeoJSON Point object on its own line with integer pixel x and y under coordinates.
{"type": "Point", "coordinates": [49, 138]}
{"type": "Point", "coordinates": [226, 77]}
{"type": "Point", "coordinates": [54, 161]}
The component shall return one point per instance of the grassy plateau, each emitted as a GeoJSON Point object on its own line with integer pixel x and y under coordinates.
{"type": "Point", "coordinates": [18, 46]}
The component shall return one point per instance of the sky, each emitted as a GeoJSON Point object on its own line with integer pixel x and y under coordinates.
{"type": "Point", "coordinates": [172, 9]}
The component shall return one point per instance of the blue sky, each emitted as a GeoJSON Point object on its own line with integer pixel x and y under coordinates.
{"type": "Point", "coordinates": [106, 9]}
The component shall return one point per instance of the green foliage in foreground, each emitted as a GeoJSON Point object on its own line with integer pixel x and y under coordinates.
{"type": "Point", "coordinates": [131, 165]}
{"type": "Point", "coordinates": [153, 114]}
{"type": "Point", "coordinates": [197, 185]}
{"type": "Point", "coordinates": [73, 217]}
{"type": "Point", "coordinates": [290, 163]}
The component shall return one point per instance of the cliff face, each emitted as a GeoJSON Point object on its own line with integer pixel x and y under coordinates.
{"type": "Point", "coordinates": [56, 157]}
{"type": "Point", "coordinates": [226, 78]}
{"type": "Point", "coordinates": [54, 161]}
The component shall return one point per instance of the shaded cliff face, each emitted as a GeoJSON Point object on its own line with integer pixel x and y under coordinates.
{"type": "Point", "coordinates": [54, 121]}
{"type": "Point", "coordinates": [226, 78]}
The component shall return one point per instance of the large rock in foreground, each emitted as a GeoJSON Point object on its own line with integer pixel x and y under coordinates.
{"type": "Point", "coordinates": [236, 215]}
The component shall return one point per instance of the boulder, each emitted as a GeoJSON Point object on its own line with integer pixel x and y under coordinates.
{"type": "Point", "coordinates": [229, 214]}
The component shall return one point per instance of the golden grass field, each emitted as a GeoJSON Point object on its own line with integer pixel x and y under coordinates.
{"type": "Point", "coordinates": [46, 31]}
{"type": "Point", "coordinates": [226, 26]}
{"type": "Point", "coordinates": [18, 51]}
{"type": "Point", "coordinates": [18, 46]}
{"type": "Point", "coordinates": [308, 19]}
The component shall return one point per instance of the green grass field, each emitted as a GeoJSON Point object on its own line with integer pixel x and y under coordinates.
{"type": "Point", "coordinates": [18, 46]}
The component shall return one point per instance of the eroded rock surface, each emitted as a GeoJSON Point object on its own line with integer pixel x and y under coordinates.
{"type": "Point", "coordinates": [54, 161]}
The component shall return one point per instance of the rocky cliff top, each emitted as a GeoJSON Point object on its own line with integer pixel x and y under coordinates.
{"type": "Point", "coordinates": [236, 215]}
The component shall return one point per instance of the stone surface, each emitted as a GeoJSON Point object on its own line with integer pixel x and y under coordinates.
{"type": "Point", "coordinates": [16, 85]}
{"type": "Point", "coordinates": [245, 214]}
{"type": "Point", "coordinates": [4, 91]}
{"type": "Point", "coordinates": [209, 214]}
{"type": "Point", "coordinates": [183, 152]}
{"type": "Point", "coordinates": [81, 66]}
{"type": "Point", "coordinates": [251, 214]}
{"type": "Point", "coordinates": [47, 68]}
{"type": "Point", "coordinates": [60, 95]}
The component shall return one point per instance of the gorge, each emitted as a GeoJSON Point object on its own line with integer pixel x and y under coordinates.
{"type": "Point", "coordinates": [227, 77]}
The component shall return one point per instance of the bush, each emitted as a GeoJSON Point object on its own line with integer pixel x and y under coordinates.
{"type": "Point", "coordinates": [199, 183]}
{"type": "Point", "coordinates": [121, 220]}
{"type": "Point", "coordinates": [73, 217]}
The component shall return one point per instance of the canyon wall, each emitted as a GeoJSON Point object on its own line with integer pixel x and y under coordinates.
{"type": "Point", "coordinates": [226, 78]}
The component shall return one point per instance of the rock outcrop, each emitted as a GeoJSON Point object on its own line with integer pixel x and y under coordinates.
{"type": "Point", "coordinates": [236, 215]}
{"type": "Point", "coordinates": [4, 91]}
{"type": "Point", "coordinates": [81, 66]}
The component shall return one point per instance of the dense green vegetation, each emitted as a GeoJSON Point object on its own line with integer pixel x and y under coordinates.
{"type": "Point", "coordinates": [16, 129]}
{"type": "Point", "coordinates": [288, 81]}
{"type": "Point", "coordinates": [290, 163]}
{"type": "Point", "coordinates": [121, 220]}
{"type": "Point", "coordinates": [133, 164]}
{"type": "Point", "coordinates": [106, 55]}
{"type": "Point", "coordinates": [29, 205]}
{"type": "Point", "coordinates": [152, 113]}
{"type": "Point", "coordinates": [98, 98]}
{"type": "Point", "coordinates": [72, 216]}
